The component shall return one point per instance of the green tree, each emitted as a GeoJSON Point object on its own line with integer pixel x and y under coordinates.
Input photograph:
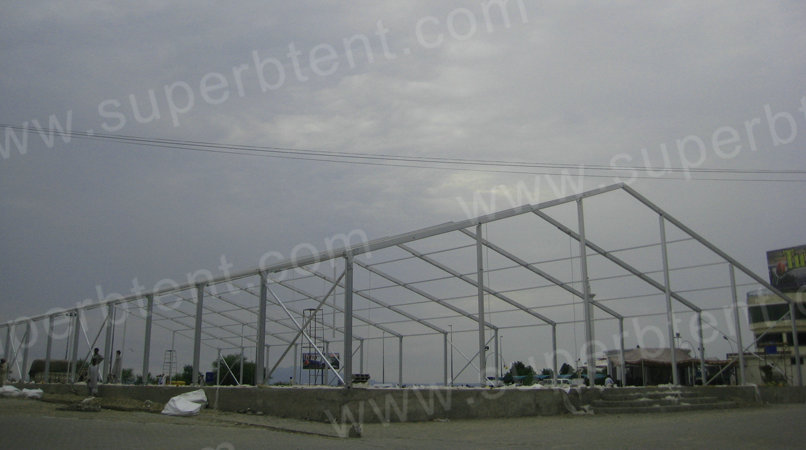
{"type": "Point", "coordinates": [186, 375]}
{"type": "Point", "coordinates": [127, 376]}
{"type": "Point", "coordinates": [566, 369]}
{"type": "Point", "coordinates": [520, 372]}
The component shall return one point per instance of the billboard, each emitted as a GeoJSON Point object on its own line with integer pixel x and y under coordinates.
{"type": "Point", "coordinates": [312, 361]}
{"type": "Point", "coordinates": [787, 268]}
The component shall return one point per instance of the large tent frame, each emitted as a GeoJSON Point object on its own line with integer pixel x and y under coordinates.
{"type": "Point", "coordinates": [213, 309]}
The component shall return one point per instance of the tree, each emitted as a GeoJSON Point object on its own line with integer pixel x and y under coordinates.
{"type": "Point", "coordinates": [127, 376]}
{"type": "Point", "coordinates": [566, 369]}
{"type": "Point", "coordinates": [547, 372]}
{"type": "Point", "coordinates": [520, 372]}
{"type": "Point", "coordinates": [186, 375]}
{"type": "Point", "coordinates": [151, 379]}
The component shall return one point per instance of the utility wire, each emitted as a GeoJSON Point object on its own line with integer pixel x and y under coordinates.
{"type": "Point", "coordinates": [475, 165]}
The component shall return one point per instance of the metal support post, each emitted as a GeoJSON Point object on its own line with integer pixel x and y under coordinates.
{"type": "Point", "coordinates": [497, 358]}
{"type": "Point", "coordinates": [668, 292]}
{"type": "Point", "coordinates": [7, 345]}
{"type": "Point", "coordinates": [586, 300]}
{"type": "Point", "coordinates": [445, 359]}
{"type": "Point", "coordinates": [795, 341]}
{"type": "Point", "coordinates": [451, 355]}
{"type": "Point", "coordinates": [107, 353]}
{"type": "Point", "coordinates": [74, 351]}
{"type": "Point", "coordinates": [198, 332]}
{"type": "Point", "coordinates": [554, 367]}
{"type": "Point", "coordinates": [400, 361]}
{"type": "Point", "coordinates": [294, 379]}
{"type": "Point", "coordinates": [737, 323]}
{"type": "Point", "coordinates": [25, 346]}
{"type": "Point", "coordinates": [147, 339]}
{"type": "Point", "coordinates": [348, 320]}
{"type": "Point", "coordinates": [240, 372]}
{"type": "Point", "coordinates": [218, 369]}
{"type": "Point", "coordinates": [266, 359]}
{"type": "Point", "coordinates": [326, 374]}
{"type": "Point", "coordinates": [480, 287]}
{"type": "Point", "coordinates": [260, 363]}
{"type": "Point", "coordinates": [361, 355]}
{"type": "Point", "coordinates": [703, 374]}
{"type": "Point", "coordinates": [48, 351]}
{"type": "Point", "coordinates": [623, 363]}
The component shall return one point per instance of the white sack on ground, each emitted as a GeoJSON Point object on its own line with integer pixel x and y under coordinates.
{"type": "Point", "coordinates": [10, 391]}
{"type": "Point", "coordinates": [33, 393]}
{"type": "Point", "coordinates": [177, 406]}
{"type": "Point", "coordinates": [197, 396]}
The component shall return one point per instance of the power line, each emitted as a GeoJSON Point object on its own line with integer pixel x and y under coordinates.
{"type": "Point", "coordinates": [420, 162]}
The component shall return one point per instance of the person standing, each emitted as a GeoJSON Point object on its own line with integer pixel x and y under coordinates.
{"type": "Point", "coordinates": [94, 372]}
{"type": "Point", "coordinates": [114, 377]}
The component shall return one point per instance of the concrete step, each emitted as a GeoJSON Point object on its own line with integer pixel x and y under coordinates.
{"type": "Point", "coordinates": [619, 394]}
{"type": "Point", "coordinates": [669, 400]}
{"type": "Point", "coordinates": [663, 408]}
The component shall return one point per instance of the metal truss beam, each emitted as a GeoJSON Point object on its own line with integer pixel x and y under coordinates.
{"type": "Point", "coordinates": [470, 281]}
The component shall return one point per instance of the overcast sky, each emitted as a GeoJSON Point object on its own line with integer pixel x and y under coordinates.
{"type": "Point", "coordinates": [605, 84]}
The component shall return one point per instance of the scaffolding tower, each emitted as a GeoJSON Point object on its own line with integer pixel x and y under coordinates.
{"type": "Point", "coordinates": [169, 365]}
{"type": "Point", "coordinates": [311, 361]}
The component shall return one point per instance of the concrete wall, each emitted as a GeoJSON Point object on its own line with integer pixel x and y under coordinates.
{"type": "Point", "coordinates": [366, 405]}
{"type": "Point", "coordinates": [783, 394]}
{"type": "Point", "coordinates": [401, 405]}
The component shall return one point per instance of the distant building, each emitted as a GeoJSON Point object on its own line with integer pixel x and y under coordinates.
{"type": "Point", "coordinates": [653, 366]}
{"type": "Point", "coordinates": [774, 360]}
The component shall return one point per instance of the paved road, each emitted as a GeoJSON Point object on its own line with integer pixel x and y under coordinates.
{"type": "Point", "coordinates": [26, 424]}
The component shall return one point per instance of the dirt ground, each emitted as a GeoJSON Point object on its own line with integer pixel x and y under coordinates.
{"type": "Point", "coordinates": [39, 424]}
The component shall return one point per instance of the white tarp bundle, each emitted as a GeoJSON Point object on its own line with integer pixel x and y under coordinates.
{"type": "Point", "coordinates": [197, 396]}
{"type": "Point", "coordinates": [10, 391]}
{"type": "Point", "coordinates": [187, 404]}
{"type": "Point", "coordinates": [33, 393]}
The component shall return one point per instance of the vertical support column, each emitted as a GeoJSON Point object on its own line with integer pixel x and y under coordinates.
{"type": "Point", "coordinates": [361, 355]}
{"type": "Point", "coordinates": [198, 332]}
{"type": "Point", "coordinates": [296, 356]}
{"type": "Point", "coordinates": [451, 341]}
{"type": "Point", "coordinates": [25, 346]}
{"type": "Point", "coordinates": [348, 320]}
{"type": "Point", "coordinates": [74, 351]}
{"type": "Point", "coordinates": [668, 292]}
{"type": "Point", "coordinates": [554, 367]}
{"type": "Point", "coordinates": [480, 284]}
{"type": "Point", "coordinates": [703, 375]}
{"type": "Point", "coordinates": [586, 289]}
{"type": "Point", "coordinates": [497, 363]}
{"type": "Point", "coordinates": [737, 323]}
{"type": "Point", "coordinates": [218, 371]}
{"type": "Point", "coordinates": [107, 353]}
{"type": "Point", "coordinates": [795, 341]}
{"type": "Point", "coordinates": [622, 363]}
{"type": "Point", "coordinates": [299, 366]}
{"type": "Point", "coordinates": [147, 339]}
{"type": "Point", "coordinates": [260, 362]}
{"type": "Point", "coordinates": [326, 372]}
{"type": "Point", "coordinates": [240, 363]}
{"type": "Point", "coordinates": [445, 358]}
{"type": "Point", "coordinates": [49, 349]}
{"type": "Point", "coordinates": [7, 346]}
{"type": "Point", "coordinates": [400, 361]}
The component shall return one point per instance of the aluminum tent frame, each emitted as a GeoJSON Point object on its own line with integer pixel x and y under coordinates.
{"type": "Point", "coordinates": [213, 314]}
